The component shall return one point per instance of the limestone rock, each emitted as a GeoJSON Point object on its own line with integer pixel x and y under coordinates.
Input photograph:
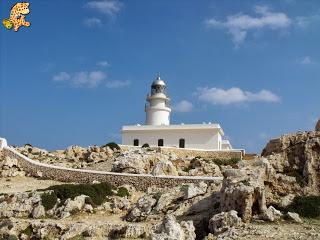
{"type": "Point", "coordinates": [134, 231]}
{"type": "Point", "coordinates": [38, 211]}
{"type": "Point", "coordinates": [286, 201]}
{"type": "Point", "coordinates": [223, 221]}
{"type": "Point", "coordinates": [271, 214]}
{"type": "Point", "coordinates": [317, 128]}
{"type": "Point", "coordinates": [164, 168]}
{"type": "Point", "coordinates": [296, 155]}
{"type": "Point", "coordinates": [72, 206]}
{"type": "Point", "coordinates": [129, 165]}
{"type": "Point", "coordinates": [142, 208]}
{"type": "Point", "coordinates": [242, 189]}
{"type": "Point", "coordinates": [172, 230]}
{"type": "Point", "coordinates": [294, 217]}
{"type": "Point", "coordinates": [191, 190]}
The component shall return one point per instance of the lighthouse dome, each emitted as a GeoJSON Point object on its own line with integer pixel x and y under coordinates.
{"type": "Point", "coordinates": [158, 82]}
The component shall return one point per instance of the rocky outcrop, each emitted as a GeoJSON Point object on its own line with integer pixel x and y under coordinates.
{"type": "Point", "coordinates": [74, 156]}
{"type": "Point", "coordinates": [142, 208]}
{"type": "Point", "coordinates": [144, 161]}
{"type": "Point", "coordinates": [191, 190]}
{"type": "Point", "coordinates": [223, 221]}
{"type": "Point", "coordinates": [243, 189]}
{"type": "Point", "coordinates": [296, 160]}
{"type": "Point", "coordinates": [317, 128]}
{"type": "Point", "coordinates": [164, 168]}
{"type": "Point", "coordinates": [9, 167]}
{"type": "Point", "coordinates": [271, 214]}
{"type": "Point", "coordinates": [294, 217]}
{"type": "Point", "coordinates": [170, 229]}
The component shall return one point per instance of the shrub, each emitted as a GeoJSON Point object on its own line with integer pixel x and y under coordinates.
{"type": "Point", "coordinates": [12, 237]}
{"type": "Point", "coordinates": [187, 169]}
{"type": "Point", "coordinates": [123, 192]}
{"type": "Point", "coordinates": [113, 146]}
{"type": "Point", "coordinates": [146, 145]}
{"type": "Point", "coordinates": [77, 237]}
{"type": "Point", "coordinates": [97, 192]}
{"type": "Point", "coordinates": [306, 206]}
{"type": "Point", "coordinates": [27, 231]}
{"type": "Point", "coordinates": [49, 200]}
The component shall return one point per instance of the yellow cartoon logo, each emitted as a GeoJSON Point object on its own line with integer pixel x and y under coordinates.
{"type": "Point", "coordinates": [17, 16]}
{"type": "Point", "coordinates": [7, 24]}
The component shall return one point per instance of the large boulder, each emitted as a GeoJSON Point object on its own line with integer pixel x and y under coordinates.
{"type": "Point", "coordinates": [243, 189]}
{"type": "Point", "coordinates": [38, 211]}
{"type": "Point", "coordinates": [271, 214]}
{"type": "Point", "coordinates": [191, 190]}
{"type": "Point", "coordinates": [142, 208]}
{"type": "Point", "coordinates": [164, 167]}
{"type": "Point", "coordinates": [296, 156]}
{"type": "Point", "coordinates": [294, 217]}
{"type": "Point", "coordinates": [223, 221]}
{"type": "Point", "coordinates": [170, 229]}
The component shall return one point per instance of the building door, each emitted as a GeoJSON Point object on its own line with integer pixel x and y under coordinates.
{"type": "Point", "coordinates": [182, 143]}
{"type": "Point", "coordinates": [160, 142]}
{"type": "Point", "coordinates": [136, 142]}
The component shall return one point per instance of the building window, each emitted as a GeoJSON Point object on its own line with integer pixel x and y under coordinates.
{"type": "Point", "coordinates": [136, 142]}
{"type": "Point", "coordinates": [160, 142]}
{"type": "Point", "coordinates": [182, 143]}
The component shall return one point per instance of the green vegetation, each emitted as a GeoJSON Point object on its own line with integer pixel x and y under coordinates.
{"type": "Point", "coordinates": [12, 237]}
{"type": "Point", "coordinates": [123, 192]}
{"type": "Point", "coordinates": [27, 231]}
{"type": "Point", "coordinates": [49, 200]}
{"type": "Point", "coordinates": [306, 206]}
{"type": "Point", "coordinates": [146, 145]}
{"type": "Point", "coordinates": [188, 168]}
{"type": "Point", "coordinates": [97, 192]}
{"type": "Point", "coordinates": [78, 237]}
{"type": "Point", "coordinates": [113, 146]}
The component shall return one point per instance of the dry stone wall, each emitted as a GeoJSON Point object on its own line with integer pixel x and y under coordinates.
{"type": "Point", "coordinates": [184, 152]}
{"type": "Point", "coordinates": [139, 181]}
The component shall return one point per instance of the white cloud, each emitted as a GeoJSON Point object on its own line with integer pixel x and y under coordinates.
{"type": "Point", "coordinates": [88, 79]}
{"type": "Point", "coordinates": [117, 84]}
{"type": "Point", "coordinates": [306, 60]}
{"type": "Point", "coordinates": [218, 96]}
{"type": "Point", "coordinates": [183, 106]}
{"type": "Point", "coordinates": [62, 76]}
{"type": "Point", "coordinates": [103, 64]}
{"type": "Point", "coordinates": [240, 24]}
{"type": "Point", "coordinates": [81, 79]}
{"type": "Point", "coordinates": [107, 7]}
{"type": "Point", "coordinates": [92, 22]}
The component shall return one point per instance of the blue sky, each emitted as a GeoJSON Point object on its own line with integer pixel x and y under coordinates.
{"type": "Point", "coordinates": [83, 68]}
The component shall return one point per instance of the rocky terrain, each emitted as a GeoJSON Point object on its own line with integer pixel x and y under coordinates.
{"type": "Point", "coordinates": [274, 196]}
{"type": "Point", "coordinates": [134, 160]}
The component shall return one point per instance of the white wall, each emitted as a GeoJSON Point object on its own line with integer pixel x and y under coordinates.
{"type": "Point", "coordinates": [157, 116]}
{"type": "Point", "coordinates": [194, 138]}
{"type": "Point", "coordinates": [3, 143]}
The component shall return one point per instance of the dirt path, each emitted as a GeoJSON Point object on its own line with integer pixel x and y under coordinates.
{"type": "Point", "coordinates": [22, 184]}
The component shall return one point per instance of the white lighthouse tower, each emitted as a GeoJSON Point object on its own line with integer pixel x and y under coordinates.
{"type": "Point", "coordinates": [157, 107]}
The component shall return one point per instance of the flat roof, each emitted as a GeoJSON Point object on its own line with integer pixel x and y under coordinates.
{"type": "Point", "coordinates": [212, 126]}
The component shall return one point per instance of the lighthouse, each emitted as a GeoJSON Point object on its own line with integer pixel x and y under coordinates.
{"type": "Point", "coordinates": [157, 107]}
{"type": "Point", "coordinates": [158, 132]}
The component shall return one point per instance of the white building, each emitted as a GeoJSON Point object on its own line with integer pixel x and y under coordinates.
{"type": "Point", "coordinates": [158, 132]}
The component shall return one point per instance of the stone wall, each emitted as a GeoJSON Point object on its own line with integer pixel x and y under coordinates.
{"type": "Point", "coordinates": [139, 181]}
{"type": "Point", "coordinates": [184, 152]}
